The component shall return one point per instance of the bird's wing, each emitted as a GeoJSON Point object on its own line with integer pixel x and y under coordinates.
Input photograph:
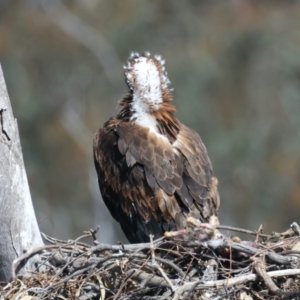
{"type": "Point", "coordinates": [162, 167]}
{"type": "Point", "coordinates": [147, 185]}
{"type": "Point", "coordinates": [138, 174]}
{"type": "Point", "coordinates": [199, 182]}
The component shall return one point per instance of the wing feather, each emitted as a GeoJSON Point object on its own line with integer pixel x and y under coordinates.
{"type": "Point", "coordinates": [150, 185]}
{"type": "Point", "coordinates": [198, 174]}
{"type": "Point", "coordinates": [154, 153]}
{"type": "Point", "coordinates": [122, 147]}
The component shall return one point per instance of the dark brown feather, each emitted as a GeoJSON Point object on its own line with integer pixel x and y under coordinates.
{"type": "Point", "coordinates": [153, 181]}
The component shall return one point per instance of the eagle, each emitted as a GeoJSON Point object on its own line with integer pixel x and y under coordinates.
{"type": "Point", "coordinates": [153, 171]}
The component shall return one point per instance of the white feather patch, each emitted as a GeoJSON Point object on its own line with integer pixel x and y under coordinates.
{"type": "Point", "coordinates": [147, 81]}
{"type": "Point", "coordinates": [142, 117]}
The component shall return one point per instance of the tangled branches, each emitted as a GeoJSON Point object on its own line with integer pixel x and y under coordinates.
{"type": "Point", "coordinates": [181, 266]}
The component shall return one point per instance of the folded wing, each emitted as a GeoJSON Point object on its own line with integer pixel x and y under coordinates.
{"type": "Point", "coordinates": [150, 185]}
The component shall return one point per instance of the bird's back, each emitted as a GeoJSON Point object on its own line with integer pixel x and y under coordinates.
{"type": "Point", "coordinates": [154, 172]}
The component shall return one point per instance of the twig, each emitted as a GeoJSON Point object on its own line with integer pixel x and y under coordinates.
{"type": "Point", "coordinates": [102, 287]}
{"type": "Point", "coordinates": [70, 261]}
{"type": "Point", "coordinates": [237, 280]}
{"type": "Point", "coordinates": [155, 265]}
{"type": "Point", "coordinates": [152, 280]}
{"type": "Point", "coordinates": [243, 231]}
{"type": "Point", "coordinates": [55, 241]}
{"type": "Point", "coordinates": [152, 249]}
{"type": "Point", "coordinates": [280, 259]}
{"type": "Point", "coordinates": [189, 292]}
{"type": "Point", "coordinates": [126, 248]}
{"type": "Point", "coordinates": [258, 233]}
{"type": "Point", "coordinates": [172, 265]}
{"type": "Point", "coordinates": [33, 289]}
{"type": "Point", "coordinates": [130, 273]}
{"type": "Point", "coordinates": [163, 274]}
{"type": "Point", "coordinates": [30, 253]}
{"type": "Point", "coordinates": [66, 279]}
{"type": "Point", "coordinates": [260, 269]}
{"type": "Point", "coordinates": [92, 232]}
{"type": "Point", "coordinates": [88, 234]}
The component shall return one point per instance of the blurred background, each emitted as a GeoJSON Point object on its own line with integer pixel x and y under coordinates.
{"type": "Point", "coordinates": [235, 69]}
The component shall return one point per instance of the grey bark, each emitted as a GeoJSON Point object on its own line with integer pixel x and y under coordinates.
{"type": "Point", "coordinates": [19, 230]}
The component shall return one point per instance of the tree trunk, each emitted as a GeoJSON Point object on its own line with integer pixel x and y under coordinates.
{"type": "Point", "coordinates": [19, 230]}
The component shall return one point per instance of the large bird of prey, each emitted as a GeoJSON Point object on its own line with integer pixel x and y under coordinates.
{"type": "Point", "coordinates": [153, 171]}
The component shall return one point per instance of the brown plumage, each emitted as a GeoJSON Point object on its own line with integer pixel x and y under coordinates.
{"type": "Point", "coordinates": [153, 171]}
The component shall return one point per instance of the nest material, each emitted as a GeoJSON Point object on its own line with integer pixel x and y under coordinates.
{"type": "Point", "coordinates": [178, 267]}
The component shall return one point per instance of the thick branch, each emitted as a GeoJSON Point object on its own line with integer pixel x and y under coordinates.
{"type": "Point", "coordinates": [19, 230]}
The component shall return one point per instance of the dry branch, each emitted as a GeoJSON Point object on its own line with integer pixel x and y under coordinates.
{"type": "Point", "coordinates": [180, 267]}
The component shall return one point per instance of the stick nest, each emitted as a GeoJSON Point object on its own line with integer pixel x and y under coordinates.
{"type": "Point", "coordinates": [186, 265]}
